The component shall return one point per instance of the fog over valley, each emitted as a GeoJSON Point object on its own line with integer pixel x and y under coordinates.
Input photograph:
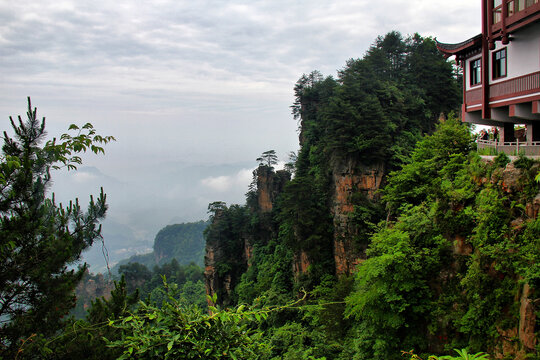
{"type": "Point", "coordinates": [193, 92]}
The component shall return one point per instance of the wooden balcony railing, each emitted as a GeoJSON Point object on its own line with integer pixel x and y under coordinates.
{"type": "Point", "coordinates": [473, 96]}
{"type": "Point", "coordinates": [523, 85]}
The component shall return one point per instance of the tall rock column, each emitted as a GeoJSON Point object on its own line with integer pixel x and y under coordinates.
{"type": "Point", "coordinates": [348, 179]}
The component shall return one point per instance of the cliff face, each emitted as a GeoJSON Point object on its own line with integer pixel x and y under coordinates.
{"type": "Point", "coordinates": [269, 185]}
{"type": "Point", "coordinates": [90, 288]}
{"type": "Point", "coordinates": [348, 180]}
{"type": "Point", "coordinates": [231, 236]}
{"type": "Point", "coordinates": [520, 339]}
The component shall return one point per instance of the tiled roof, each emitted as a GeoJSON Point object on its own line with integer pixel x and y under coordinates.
{"type": "Point", "coordinates": [454, 49]}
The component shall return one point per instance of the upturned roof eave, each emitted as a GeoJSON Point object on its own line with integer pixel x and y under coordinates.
{"type": "Point", "coordinates": [460, 48]}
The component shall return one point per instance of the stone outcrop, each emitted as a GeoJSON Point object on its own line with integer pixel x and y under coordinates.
{"type": "Point", "coordinates": [527, 319]}
{"type": "Point", "coordinates": [217, 280]}
{"type": "Point", "coordinates": [270, 184]}
{"type": "Point", "coordinates": [300, 263]}
{"type": "Point", "coordinates": [92, 287]}
{"type": "Point", "coordinates": [348, 179]}
{"type": "Point", "coordinates": [518, 341]}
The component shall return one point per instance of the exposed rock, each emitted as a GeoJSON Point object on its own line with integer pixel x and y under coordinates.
{"type": "Point", "coordinates": [511, 179]}
{"type": "Point", "coordinates": [220, 281]}
{"type": "Point", "coordinates": [93, 287]}
{"type": "Point", "coordinates": [210, 275]}
{"type": "Point", "coordinates": [507, 344]}
{"type": "Point", "coordinates": [248, 252]}
{"type": "Point", "coordinates": [300, 263]}
{"type": "Point", "coordinates": [269, 185]}
{"type": "Point", "coordinates": [527, 319]}
{"type": "Point", "coordinates": [533, 208]}
{"type": "Point", "coordinates": [349, 178]}
{"type": "Point", "coordinates": [519, 341]}
{"type": "Point", "coordinates": [461, 247]}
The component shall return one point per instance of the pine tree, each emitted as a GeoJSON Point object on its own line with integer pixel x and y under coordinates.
{"type": "Point", "coordinates": [41, 241]}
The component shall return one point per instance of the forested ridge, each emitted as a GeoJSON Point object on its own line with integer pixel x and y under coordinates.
{"type": "Point", "coordinates": [402, 236]}
{"type": "Point", "coordinates": [386, 236]}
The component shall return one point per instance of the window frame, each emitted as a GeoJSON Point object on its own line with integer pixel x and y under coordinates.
{"type": "Point", "coordinates": [497, 11]}
{"type": "Point", "coordinates": [475, 74]}
{"type": "Point", "coordinates": [498, 71]}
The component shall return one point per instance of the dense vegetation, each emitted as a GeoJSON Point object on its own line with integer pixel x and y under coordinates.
{"type": "Point", "coordinates": [40, 238]}
{"type": "Point", "coordinates": [178, 255]}
{"type": "Point", "coordinates": [188, 278]}
{"type": "Point", "coordinates": [183, 242]}
{"type": "Point", "coordinates": [447, 249]}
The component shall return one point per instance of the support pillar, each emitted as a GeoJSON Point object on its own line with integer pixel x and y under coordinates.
{"type": "Point", "coordinates": [507, 133]}
{"type": "Point", "coordinates": [529, 133]}
{"type": "Point", "coordinates": [535, 131]}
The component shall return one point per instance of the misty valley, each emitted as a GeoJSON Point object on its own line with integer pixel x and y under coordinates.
{"type": "Point", "coordinates": [386, 235]}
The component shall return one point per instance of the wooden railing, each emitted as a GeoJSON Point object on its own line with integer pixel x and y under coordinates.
{"type": "Point", "coordinates": [523, 85]}
{"type": "Point", "coordinates": [515, 87]}
{"type": "Point", "coordinates": [511, 147]}
{"type": "Point", "coordinates": [473, 96]}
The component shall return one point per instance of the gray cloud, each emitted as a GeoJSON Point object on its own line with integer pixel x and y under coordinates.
{"type": "Point", "coordinates": [192, 90]}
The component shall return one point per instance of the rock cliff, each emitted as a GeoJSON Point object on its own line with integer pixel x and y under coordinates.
{"type": "Point", "coordinates": [234, 231]}
{"type": "Point", "coordinates": [348, 181]}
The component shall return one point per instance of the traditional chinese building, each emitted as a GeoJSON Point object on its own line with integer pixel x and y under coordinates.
{"type": "Point", "coordinates": [501, 72]}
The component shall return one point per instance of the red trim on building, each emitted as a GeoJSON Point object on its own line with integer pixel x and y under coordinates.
{"type": "Point", "coordinates": [516, 101]}
{"type": "Point", "coordinates": [473, 97]}
{"type": "Point", "coordinates": [522, 85]}
{"type": "Point", "coordinates": [536, 107]}
{"type": "Point", "coordinates": [516, 21]}
{"type": "Point", "coordinates": [512, 110]}
{"type": "Point", "coordinates": [487, 18]}
{"type": "Point", "coordinates": [482, 96]}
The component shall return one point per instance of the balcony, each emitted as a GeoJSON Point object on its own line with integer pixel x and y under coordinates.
{"type": "Point", "coordinates": [493, 147]}
{"type": "Point", "coordinates": [520, 86]}
{"type": "Point", "coordinates": [510, 15]}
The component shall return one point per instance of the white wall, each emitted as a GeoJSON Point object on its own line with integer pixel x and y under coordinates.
{"type": "Point", "coordinates": [523, 53]}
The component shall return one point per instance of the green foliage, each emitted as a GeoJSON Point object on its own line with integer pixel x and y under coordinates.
{"type": "Point", "coordinates": [392, 286]}
{"type": "Point", "coordinates": [454, 260]}
{"type": "Point", "coordinates": [183, 242]}
{"type": "Point", "coordinates": [268, 158]}
{"type": "Point", "coordinates": [372, 114]}
{"type": "Point", "coordinates": [463, 355]}
{"type": "Point", "coordinates": [85, 339]}
{"type": "Point", "coordinates": [189, 280]}
{"type": "Point", "coordinates": [41, 241]}
{"type": "Point", "coordinates": [176, 331]}
{"type": "Point", "coordinates": [135, 274]}
{"type": "Point", "coordinates": [416, 180]}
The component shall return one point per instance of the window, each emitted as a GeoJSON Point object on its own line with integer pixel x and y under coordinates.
{"type": "Point", "coordinates": [515, 6]}
{"type": "Point", "coordinates": [476, 72]}
{"type": "Point", "coordinates": [497, 11]}
{"type": "Point", "coordinates": [499, 64]}
{"type": "Point", "coordinates": [511, 5]}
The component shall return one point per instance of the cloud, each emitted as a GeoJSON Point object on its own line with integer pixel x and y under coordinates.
{"type": "Point", "coordinates": [226, 183]}
{"type": "Point", "coordinates": [188, 81]}
{"type": "Point", "coordinates": [83, 177]}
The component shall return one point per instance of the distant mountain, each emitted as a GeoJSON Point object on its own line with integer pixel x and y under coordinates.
{"type": "Point", "coordinates": [183, 242]}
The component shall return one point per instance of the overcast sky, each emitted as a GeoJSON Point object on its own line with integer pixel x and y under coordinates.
{"type": "Point", "coordinates": [194, 91]}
